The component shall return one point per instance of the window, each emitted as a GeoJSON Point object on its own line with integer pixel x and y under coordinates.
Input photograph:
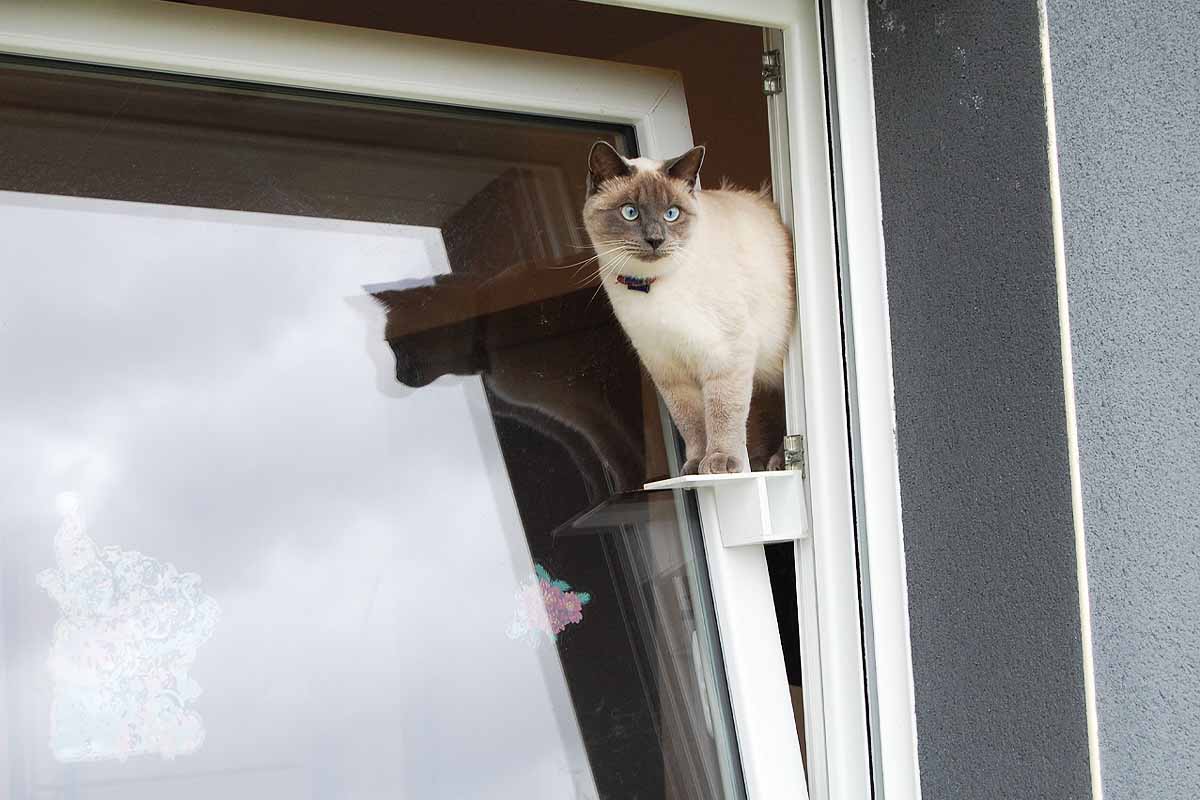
{"type": "Point", "coordinates": [394, 218]}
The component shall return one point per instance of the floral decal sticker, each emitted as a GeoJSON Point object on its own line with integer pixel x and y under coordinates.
{"type": "Point", "coordinates": [129, 631]}
{"type": "Point", "coordinates": [545, 607]}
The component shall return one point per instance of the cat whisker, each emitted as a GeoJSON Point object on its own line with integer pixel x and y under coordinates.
{"type": "Point", "coordinates": [589, 278]}
{"type": "Point", "coordinates": [580, 264]}
{"type": "Point", "coordinates": [597, 244]}
{"type": "Point", "coordinates": [599, 287]}
{"type": "Point", "coordinates": [585, 281]}
{"type": "Point", "coordinates": [600, 267]}
{"type": "Point", "coordinates": [602, 270]}
{"type": "Point", "coordinates": [616, 265]}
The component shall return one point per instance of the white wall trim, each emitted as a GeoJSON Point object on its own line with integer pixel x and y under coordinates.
{"type": "Point", "coordinates": [1064, 332]}
{"type": "Point", "coordinates": [827, 564]}
{"type": "Point", "coordinates": [865, 268]}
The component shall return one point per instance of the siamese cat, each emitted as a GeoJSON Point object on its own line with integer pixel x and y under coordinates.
{"type": "Point", "coordinates": [702, 283]}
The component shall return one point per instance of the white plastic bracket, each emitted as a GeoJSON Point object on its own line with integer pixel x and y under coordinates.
{"type": "Point", "coordinates": [738, 510]}
{"type": "Point", "coordinates": [751, 507]}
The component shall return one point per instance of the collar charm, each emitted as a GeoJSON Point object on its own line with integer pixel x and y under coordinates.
{"type": "Point", "coordinates": [636, 284]}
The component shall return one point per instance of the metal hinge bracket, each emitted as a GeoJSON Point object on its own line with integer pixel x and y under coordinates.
{"type": "Point", "coordinates": [772, 72]}
{"type": "Point", "coordinates": [795, 454]}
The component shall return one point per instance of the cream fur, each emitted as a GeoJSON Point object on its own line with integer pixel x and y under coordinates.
{"type": "Point", "coordinates": [716, 321]}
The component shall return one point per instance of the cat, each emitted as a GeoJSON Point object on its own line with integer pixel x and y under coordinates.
{"type": "Point", "coordinates": [703, 285]}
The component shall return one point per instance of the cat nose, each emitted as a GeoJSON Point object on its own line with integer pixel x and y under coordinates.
{"type": "Point", "coordinates": [654, 241]}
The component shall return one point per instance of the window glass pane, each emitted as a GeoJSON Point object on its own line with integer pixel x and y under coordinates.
{"type": "Point", "coordinates": [309, 415]}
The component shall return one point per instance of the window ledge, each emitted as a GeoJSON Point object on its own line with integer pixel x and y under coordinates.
{"type": "Point", "coordinates": [749, 507]}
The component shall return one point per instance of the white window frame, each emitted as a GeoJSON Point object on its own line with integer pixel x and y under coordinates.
{"type": "Point", "coordinates": [828, 90]}
{"type": "Point", "coordinates": [191, 40]}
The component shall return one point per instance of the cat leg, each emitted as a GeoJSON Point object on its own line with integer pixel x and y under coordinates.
{"type": "Point", "coordinates": [776, 461]}
{"type": "Point", "coordinates": [726, 409]}
{"type": "Point", "coordinates": [766, 428]}
{"type": "Point", "coordinates": [686, 403]}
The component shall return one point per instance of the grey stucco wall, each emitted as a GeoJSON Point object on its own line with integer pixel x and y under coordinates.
{"type": "Point", "coordinates": [980, 407]}
{"type": "Point", "coordinates": [1127, 95]}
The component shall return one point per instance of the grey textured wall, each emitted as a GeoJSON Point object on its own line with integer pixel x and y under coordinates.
{"type": "Point", "coordinates": [979, 400]}
{"type": "Point", "coordinates": [1127, 92]}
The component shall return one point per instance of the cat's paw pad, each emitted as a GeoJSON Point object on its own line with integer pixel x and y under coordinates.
{"type": "Point", "coordinates": [690, 467]}
{"type": "Point", "coordinates": [718, 463]}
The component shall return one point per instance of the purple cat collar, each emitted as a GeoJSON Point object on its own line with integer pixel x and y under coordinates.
{"type": "Point", "coordinates": [636, 284]}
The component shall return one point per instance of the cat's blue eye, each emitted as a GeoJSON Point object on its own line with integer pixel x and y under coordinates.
{"type": "Point", "coordinates": [671, 214]}
{"type": "Point", "coordinates": [629, 211]}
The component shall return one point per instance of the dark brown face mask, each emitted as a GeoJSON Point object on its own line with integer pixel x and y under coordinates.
{"type": "Point", "coordinates": [646, 214]}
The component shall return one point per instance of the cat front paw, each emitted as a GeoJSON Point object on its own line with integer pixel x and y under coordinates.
{"type": "Point", "coordinates": [690, 467]}
{"type": "Point", "coordinates": [718, 463]}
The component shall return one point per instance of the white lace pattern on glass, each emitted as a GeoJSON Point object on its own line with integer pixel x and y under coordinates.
{"type": "Point", "coordinates": [129, 632]}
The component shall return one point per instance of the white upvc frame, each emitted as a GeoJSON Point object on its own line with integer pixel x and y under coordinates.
{"type": "Point", "coordinates": [873, 415]}
{"type": "Point", "coordinates": [829, 40]}
{"type": "Point", "coordinates": [197, 41]}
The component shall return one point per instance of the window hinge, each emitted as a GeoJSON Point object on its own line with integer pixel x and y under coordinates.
{"type": "Point", "coordinates": [772, 72]}
{"type": "Point", "coordinates": [795, 454]}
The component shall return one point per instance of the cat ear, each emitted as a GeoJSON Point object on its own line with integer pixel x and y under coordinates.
{"type": "Point", "coordinates": [604, 163]}
{"type": "Point", "coordinates": [389, 299]}
{"type": "Point", "coordinates": [686, 168]}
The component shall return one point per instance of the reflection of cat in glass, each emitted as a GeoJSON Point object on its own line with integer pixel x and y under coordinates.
{"type": "Point", "coordinates": [702, 283]}
{"type": "Point", "coordinates": [556, 365]}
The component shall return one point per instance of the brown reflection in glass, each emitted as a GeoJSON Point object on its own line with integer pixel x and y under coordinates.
{"type": "Point", "coordinates": [549, 352]}
{"type": "Point", "coordinates": [158, 140]}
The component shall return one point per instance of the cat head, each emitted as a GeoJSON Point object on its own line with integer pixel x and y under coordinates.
{"type": "Point", "coordinates": [638, 207]}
